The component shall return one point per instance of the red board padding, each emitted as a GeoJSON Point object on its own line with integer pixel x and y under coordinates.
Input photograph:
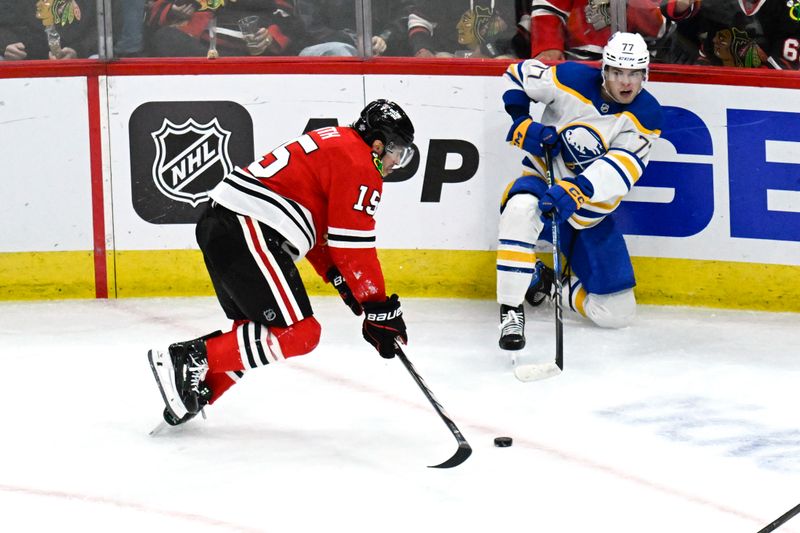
{"type": "Point", "coordinates": [379, 65]}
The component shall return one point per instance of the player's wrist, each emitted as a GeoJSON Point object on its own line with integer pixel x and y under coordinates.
{"type": "Point", "coordinates": [579, 188]}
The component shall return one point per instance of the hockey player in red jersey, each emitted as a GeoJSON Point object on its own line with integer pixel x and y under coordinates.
{"type": "Point", "coordinates": [313, 197]}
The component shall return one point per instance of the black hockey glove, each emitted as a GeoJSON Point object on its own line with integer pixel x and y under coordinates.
{"type": "Point", "coordinates": [337, 280]}
{"type": "Point", "coordinates": [383, 323]}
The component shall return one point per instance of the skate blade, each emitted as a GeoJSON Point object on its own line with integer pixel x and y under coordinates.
{"type": "Point", "coordinates": [513, 355]}
{"type": "Point", "coordinates": [165, 373]}
{"type": "Point", "coordinates": [158, 429]}
{"type": "Point", "coordinates": [163, 425]}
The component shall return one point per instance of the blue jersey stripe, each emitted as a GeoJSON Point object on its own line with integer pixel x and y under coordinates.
{"type": "Point", "coordinates": [516, 269]}
{"type": "Point", "coordinates": [621, 172]}
{"type": "Point", "coordinates": [509, 242]}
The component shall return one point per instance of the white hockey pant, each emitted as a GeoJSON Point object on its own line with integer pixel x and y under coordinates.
{"type": "Point", "coordinates": [615, 310]}
{"type": "Point", "coordinates": [521, 222]}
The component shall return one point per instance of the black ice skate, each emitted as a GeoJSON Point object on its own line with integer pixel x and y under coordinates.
{"type": "Point", "coordinates": [541, 286]}
{"type": "Point", "coordinates": [179, 375]}
{"type": "Point", "coordinates": [512, 327]}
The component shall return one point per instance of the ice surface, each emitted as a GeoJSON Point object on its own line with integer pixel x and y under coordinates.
{"type": "Point", "coordinates": [685, 422]}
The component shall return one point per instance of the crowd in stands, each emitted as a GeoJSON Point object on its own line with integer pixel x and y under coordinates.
{"type": "Point", "coordinates": [738, 33]}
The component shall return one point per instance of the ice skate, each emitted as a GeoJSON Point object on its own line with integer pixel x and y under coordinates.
{"type": "Point", "coordinates": [512, 327]}
{"type": "Point", "coordinates": [179, 374]}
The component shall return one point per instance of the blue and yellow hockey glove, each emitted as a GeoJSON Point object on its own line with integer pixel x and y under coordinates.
{"type": "Point", "coordinates": [534, 137]}
{"type": "Point", "coordinates": [565, 197]}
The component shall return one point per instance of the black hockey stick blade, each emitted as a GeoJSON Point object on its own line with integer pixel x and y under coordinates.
{"type": "Point", "coordinates": [778, 522]}
{"type": "Point", "coordinates": [464, 449]}
{"type": "Point", "coordinates": [462, 454]}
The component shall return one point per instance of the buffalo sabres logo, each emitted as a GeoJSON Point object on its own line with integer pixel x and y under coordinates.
{"type": "Point", "coordinates": [582, 146]}
{"type": "Point", "coordinates": [190, 159]}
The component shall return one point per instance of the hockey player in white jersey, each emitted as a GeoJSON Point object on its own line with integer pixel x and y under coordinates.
{"type": "Point", "coordinates": [599, 125]}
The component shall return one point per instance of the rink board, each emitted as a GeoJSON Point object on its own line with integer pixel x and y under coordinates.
{"type": "Point", "coordinates": [714, 221]}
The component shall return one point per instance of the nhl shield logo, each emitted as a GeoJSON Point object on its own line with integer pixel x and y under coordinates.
{"type": "Point", "coordinates": [190, 159]}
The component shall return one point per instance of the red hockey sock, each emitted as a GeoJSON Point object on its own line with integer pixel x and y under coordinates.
{"type": "Point", "coordinates": [299, 338]}
{"type": "Point", "coordinates": [250, 345]}
{"type": "Point", "coordinates": [223, 353]}
{"type": "Point", "coordinates": [219, 383]}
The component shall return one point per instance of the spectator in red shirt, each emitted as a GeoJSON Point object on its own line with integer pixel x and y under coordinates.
{"type": "Point", "coordinates": [578, 29]}
{"type": "Point", "coordinates": [184, 28]}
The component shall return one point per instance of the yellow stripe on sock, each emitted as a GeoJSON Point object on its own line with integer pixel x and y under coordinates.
{"type": "Point", "coordinates": [523, 257]}
{"type": "Point", "coordinates": [578, 300]}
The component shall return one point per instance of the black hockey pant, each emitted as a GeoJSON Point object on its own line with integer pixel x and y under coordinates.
{"type": "Point", "coordinates": [252, 269]}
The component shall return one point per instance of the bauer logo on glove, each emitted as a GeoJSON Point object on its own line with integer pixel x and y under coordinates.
{"type": "Point", "coordinates": [383, 324]}
{"type": "Point", "coordinates": [383, 317]}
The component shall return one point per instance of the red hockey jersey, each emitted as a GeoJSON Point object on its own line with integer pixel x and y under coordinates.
{"type": "Point", "coordinates": [320, 191]}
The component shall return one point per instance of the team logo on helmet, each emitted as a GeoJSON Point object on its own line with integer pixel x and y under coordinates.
{"type": "Point", "coordinates": [189, 158]}
{"type": "Point", "coordinates": [582, 145]}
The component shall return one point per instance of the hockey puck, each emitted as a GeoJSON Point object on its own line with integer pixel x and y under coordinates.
{"type": "Point", "coordinates": [503, 442]}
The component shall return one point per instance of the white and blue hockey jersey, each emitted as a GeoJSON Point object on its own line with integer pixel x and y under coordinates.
{"type": "Point", "coordinates": [607, 142]}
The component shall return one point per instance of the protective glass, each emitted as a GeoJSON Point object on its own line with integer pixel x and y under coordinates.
{"type": "Point", "coordinates": [615, 74]}
{"type": "Point", "coordinates": [401, 152]}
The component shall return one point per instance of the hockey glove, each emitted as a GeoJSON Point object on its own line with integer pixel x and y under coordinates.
{"type": "Point", "coordinates": [383, 323]}
{"type": "Point", "coordinates": [534, 137]}
{"type": "Point", "coordinates": [565, 197]}
{"type": "Point", "coordinates": [338, 282]}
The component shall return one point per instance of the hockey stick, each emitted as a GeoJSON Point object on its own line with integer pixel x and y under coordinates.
{"type": "Point", "coordinates": [537, 371]}
{"type": "Point", "coordinates": [778, 522]}
{"type": "Point", "coordinates": [464, 449]}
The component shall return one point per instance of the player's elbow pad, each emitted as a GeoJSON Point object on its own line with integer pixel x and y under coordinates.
{"type": "Point", "coordinates": [517, 104]}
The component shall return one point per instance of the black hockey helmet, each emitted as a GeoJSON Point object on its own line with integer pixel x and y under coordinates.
{"type": "Point", "coordinates": [387, 122]}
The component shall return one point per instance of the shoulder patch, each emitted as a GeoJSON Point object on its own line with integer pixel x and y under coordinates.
{"type": "Point", "coordinates": [577, 77]}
